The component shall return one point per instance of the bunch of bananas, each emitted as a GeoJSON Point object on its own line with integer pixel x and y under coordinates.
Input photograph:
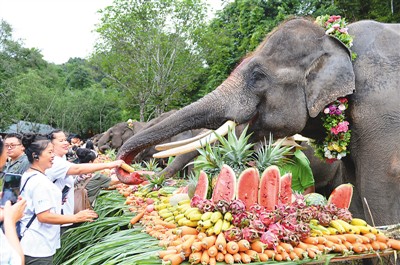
{"type": "Point", "coordinates": [213, 223]}
{"type": "Point", "coordinates": [180, 214]}
{"type": "Point", "coordinates": [356, 226]}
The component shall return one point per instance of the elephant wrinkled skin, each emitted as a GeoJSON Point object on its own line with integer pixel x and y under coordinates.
{"type": "Point", "coordinates": [283, 86]}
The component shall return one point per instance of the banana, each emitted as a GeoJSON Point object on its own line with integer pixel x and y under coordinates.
{"type": "Point", "coordinates": [364, 229]}
{"type": "Point", "coordinates": [225, 225]}
{"type": "Point", "coordinates": [182, 221]}
{"type": "Point", "coordinates": [206, 216]}
{"type": "Point", "coordinates": [190, 223]}
{"type": "Point", "coordinates": [166, 215]}
{"type": "Point", "coordinates": [314, 222]}
{"type": "Point", "coordinates": [358, 222]}
{"type": "Point", "coordinates": [346, 226]}
{"type": "Point", "coordinates": [337, 226]}
{"type": "Point", "coordinates": [170, 219]}
{"type": "Point", "coordinates": [228, 216]}
{"type": "Point", "coordinates": [210, 231]}
{"type": "Point", "coordinates": [216, 216]}
{"type": "Point", "coordinates": [319, 229]}
{"type": "Point", "coordinates": [373, 229]}
{"type": "Point", "coordinates": [182, 208]}
{"type": "Point", "coordinates": [356, 229]}
{"type": "Point", "coordinates": [184, 202]}
{"type": "Point", "coordinates": [179, 216]}
{"type": "Point", "coordinates": [191, 209]}
{"type": "Point", "coordinates": [333, 230]}
{"type": "Point", "coordinates": [218, 226]}
{"type": "Point", "coordinates": [316, 233]}
{"type": "Point", "coordinates": [193, 216]}
{"type": "Point", "coordinates": [206, 224]}
{"type": "Point", "coordinates": [176, 212]}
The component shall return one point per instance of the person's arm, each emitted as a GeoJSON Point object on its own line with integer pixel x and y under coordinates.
{"type": "Point", "coordinates": [85, 168]}
{"type": "Point", "coordinates": [53, 218]}
{"type": "Point", "coordinates": [12, 213]}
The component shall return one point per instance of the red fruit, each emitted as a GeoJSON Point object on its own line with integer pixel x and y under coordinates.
{"type": "Point", "coordinates": [341, 196]}
{"type": "Point", "coordinates": [247, 187]}
{"type": "Point", "coordinates": [269, 188]}
{"type": "Point", "coordinates": [225, 188]}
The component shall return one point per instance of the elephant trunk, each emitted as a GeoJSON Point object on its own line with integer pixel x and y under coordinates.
{"type": "Point", "coordinates": [209, 112]}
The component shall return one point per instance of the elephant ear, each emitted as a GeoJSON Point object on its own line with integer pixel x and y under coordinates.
{"type": "Point", "coordinates": [329, 76]}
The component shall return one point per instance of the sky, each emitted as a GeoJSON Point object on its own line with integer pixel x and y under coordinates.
{"type": "Point", "coordinates": [60, 29]}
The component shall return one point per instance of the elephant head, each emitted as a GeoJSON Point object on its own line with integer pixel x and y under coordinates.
{"type": "Point", "coordinates": [279, 88]}
{"type": "Point", "coordinates": [114, 137]}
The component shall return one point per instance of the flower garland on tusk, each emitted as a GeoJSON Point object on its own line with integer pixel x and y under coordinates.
{"type": "Point", "coordinates": [335, 144]}
{"type": "Point", "coordinates": [337, 26]}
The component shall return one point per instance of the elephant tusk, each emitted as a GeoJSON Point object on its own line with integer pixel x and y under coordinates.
{"type": "Point", "coordinates": [162, 147]}
{"type": "Point", "coordinates": [192, 146]}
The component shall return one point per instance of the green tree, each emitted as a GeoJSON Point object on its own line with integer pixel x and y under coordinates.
{"type": "Point", "coordinates": [148, 49]}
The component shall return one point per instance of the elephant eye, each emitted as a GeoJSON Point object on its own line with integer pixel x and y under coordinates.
{"type": "Point", "coordinates": [257, 78]}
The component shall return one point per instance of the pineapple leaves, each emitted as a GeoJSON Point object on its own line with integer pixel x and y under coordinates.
{"type": "Point", "coordinates": [239, 154]}
{"type": "Point", "coordinates": [273, 154]}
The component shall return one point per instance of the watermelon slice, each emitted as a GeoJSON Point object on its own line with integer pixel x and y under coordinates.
{"type": "Point", "coordinates": [202, 185]}
{"type": "Point", "coordinates": [247, 187]}
{"type": "Point", "coordinates": [341, 196]}
{"type": "Point", "coordinates": [225, 186]}
{"type": "Point", "coordinates": [268, 194]}
{"type": "Point", "coordinates": [285, 192]}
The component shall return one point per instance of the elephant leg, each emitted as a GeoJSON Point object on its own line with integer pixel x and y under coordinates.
{"type": "Point", "coordinates": [178, 163]}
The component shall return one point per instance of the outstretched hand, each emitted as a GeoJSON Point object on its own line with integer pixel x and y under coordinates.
{"type": "Point", "coordinates": [86, 216]}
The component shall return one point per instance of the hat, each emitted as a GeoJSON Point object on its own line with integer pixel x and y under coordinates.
{"type": "Point", "coordinates": [288, 141]}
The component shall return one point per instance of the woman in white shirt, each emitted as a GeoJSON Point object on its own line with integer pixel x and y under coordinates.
{"type": "Point", "coordinates": [62, 171]}
{"type": "Point", "coordinates": [40, 228]}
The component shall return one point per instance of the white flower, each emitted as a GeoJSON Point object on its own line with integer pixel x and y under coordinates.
{"type": "Point", "coordinates": [328, 153]}
{"type": "Point", "coordinates": [326, 110]}
{"type": "Point", "coordinates": [330, 156]}
{"type": "Point", "coordinates": [339, 156]}
{"type": "Point", "coordinates": [329, 31]}
{"type": "Point", "coordinates": [343, 154]}
{"type": "Point", "coordinates": [342, 107]}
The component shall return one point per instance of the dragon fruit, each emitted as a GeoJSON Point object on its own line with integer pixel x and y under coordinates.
{"type": "Point", "coordinates": [324, 218]}
{"type": "Point", "coordinates": [269, 239]}
{"type": "Point", "coordinates": [290, 222]}
{"type": "Point", "coordinates": [299, 201]}
{"type": "Point", "coordinates": [237, 206]}
{"type": "Point", "coordinates": [250, 234]}
{"type": "Point", "coordinates": [222, 206]}
{"type": "Point", "coordinates": [303, 230]}
{"type": "Point", "coordinates": [208, 206]}
{"type": "Point", "coordinates": [196, 201]}
{"type": "Point", "coordinates": [256, 208]}
{"type": "Point", "coordinates": [267, 217]}
{"type": "Point", "coordinates": [277, 229]}
{"type": "Point", "coordinates": [241, 220]}
{"type": "Point", "coordinates": [344, 214]}
{"type": "Point", "coordinates": [257, 225]}
{"type": "Point", "coordinates": [233, 234]}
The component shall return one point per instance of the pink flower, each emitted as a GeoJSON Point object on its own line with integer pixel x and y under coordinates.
{"type": "Point", "coordinates": [342, 100]}
{"type": "Point", "coordinates": [326, 110]}
{"type": "Point", "coordinates": [342, 107]}
{"type": "Point", "coordinates": [341, 127]}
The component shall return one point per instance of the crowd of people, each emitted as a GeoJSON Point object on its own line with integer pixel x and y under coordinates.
{"type": "Point", "coordinates": [32, 227]}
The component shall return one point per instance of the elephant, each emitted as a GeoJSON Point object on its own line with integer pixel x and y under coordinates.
{"type": "Point", "coordinates": [114, 137]}
{"type": "Point", "coordinates": [283, 87]}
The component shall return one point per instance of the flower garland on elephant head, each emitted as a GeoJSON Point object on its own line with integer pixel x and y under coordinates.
{"type": "Point", "coordinates": [335, 145]}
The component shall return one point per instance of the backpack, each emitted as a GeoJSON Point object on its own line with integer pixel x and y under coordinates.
{"type": "Point", "coordinates": [81, 198]}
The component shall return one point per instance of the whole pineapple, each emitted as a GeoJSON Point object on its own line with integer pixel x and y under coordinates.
{"type": "Point", "coordinates": [268, 154]}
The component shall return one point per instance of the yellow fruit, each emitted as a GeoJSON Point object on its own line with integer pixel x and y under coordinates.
{"type": "Point", "coordinates": [337, 226]}
{"type": "Point", "coordinates": [358, 222]}
{"type": "Point", "coordinates": [216, 216]}
{"type": "Point", "coordinates": [206, 216]}
{"type": "Point", "coordinates": [218, 227]}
